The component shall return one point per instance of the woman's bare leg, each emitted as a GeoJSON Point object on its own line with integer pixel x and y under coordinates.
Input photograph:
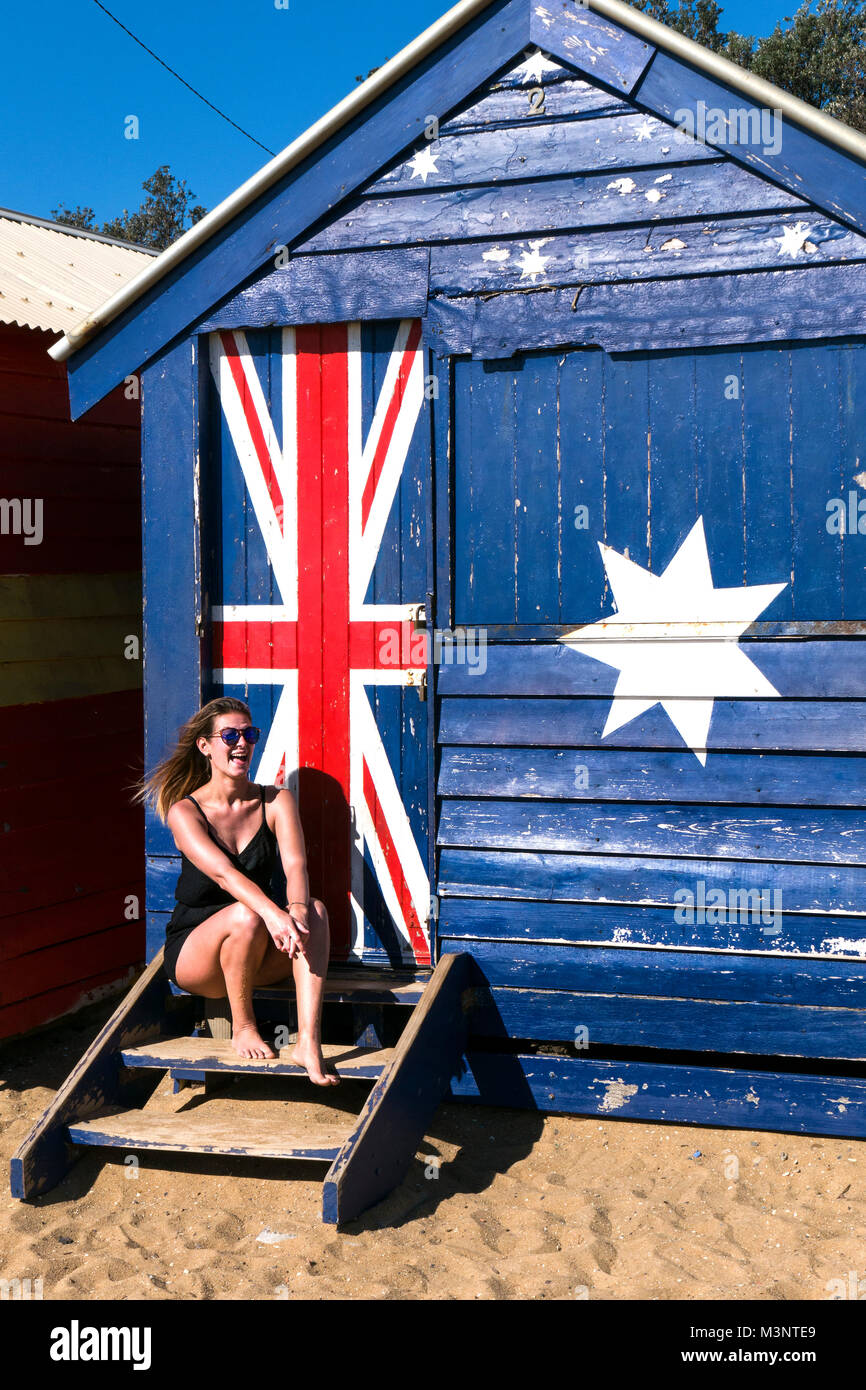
{"type": "Point", "coordinates": [223, 957]}
{"type": "Point", "coordinates": [310, 971]}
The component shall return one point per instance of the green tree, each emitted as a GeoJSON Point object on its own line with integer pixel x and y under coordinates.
{"type": "Point", "coordinates": [818, 54]}
{"type": "Point", "coordinates": [163, 216]}
{"type": "Point", "coordinates": [85, 218]}
{"type": "Point", "coordinates": [821, 58]}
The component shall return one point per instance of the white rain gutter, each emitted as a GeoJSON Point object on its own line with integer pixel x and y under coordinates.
{"type": "Point", "coordinates": [659, 35]}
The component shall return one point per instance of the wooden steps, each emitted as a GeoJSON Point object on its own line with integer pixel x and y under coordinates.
{"type": "Point", "coordinates": [204, 1133]}
{"type": "Point", "coordinates": [182, 1056]}
{"type": "Point", "coordinates": [369, 1153]}
{"type": "Point", "coordinates": [365, 984]}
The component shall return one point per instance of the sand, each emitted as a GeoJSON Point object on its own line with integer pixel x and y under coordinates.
{"type": "Point", "coordinates": [499, 1204]}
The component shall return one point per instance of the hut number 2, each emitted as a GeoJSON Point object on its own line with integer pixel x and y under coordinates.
{"type": "Point", "coordinates": [536, 101]}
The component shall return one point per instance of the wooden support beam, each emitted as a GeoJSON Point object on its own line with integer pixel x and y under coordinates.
{"type": "Point", "coordinates": [392, 1123]}
{"type": "Point", "coordinates": [45, 1155]}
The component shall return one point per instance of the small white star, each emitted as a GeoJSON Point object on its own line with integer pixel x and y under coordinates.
{"type": "Point", "coordinates": [532, 263]}
{"type": "Point", "coordinates": [685, 669]}
{"type": "Point", "coordinates": [535, 65]}
{"type": "Point", "coordinates": [645, 129]}
{"type": "Point", "coordinates": [793, 240]}
{"type": "Point", "coordinates": [424, 163]}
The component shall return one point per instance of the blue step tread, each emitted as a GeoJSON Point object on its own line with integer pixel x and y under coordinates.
{"type": "Point", "coordinates": [207, 1133]}
{"type": "Point", "coordinates": [187, 1054]}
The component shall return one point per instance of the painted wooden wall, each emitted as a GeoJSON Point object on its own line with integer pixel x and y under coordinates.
{"type": "Point", "coordinates": [639, 332]}
{"type": "Point", "coordinates": [554, 212]}
{"type": "Point", "coordinates": [70, 729]}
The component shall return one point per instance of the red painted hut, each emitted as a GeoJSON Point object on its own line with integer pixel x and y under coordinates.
{"type": "Point", "coordinates": [71, 889]}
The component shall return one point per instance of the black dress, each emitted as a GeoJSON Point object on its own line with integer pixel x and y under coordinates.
{"type": "Point", "coordinates": [199, 896]}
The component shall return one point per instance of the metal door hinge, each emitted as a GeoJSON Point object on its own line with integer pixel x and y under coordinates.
{"type": "Point", "coordinates": [418, 680]}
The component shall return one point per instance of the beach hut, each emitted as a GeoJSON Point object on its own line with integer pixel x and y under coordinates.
{"type": "Point", "coordinates": [503, 444]}
{"type": "Point", "coordinates": [71, 920]}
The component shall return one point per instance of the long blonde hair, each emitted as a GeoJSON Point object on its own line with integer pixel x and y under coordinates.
{"type": "Point", "coordinates": [186, 767]}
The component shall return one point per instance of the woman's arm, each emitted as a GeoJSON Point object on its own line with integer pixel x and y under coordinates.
{"type": "Point", "coordinates": [293, 854]}
{"type": "Point", "coordinates": [193, 840]}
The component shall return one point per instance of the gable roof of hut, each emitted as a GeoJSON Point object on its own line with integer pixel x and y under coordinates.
{"type": "Point", "coordinates": [604, 41]}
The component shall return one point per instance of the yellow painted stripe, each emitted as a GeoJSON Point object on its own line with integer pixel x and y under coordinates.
{"type": "Point", "coordinates": [68, 595]}
{"type": "Point", "coordinates": [30, 682]}
{"type": "Point", "coordinates": [63, 636]}
{"type": "Point", "coordinates": [62, 639]}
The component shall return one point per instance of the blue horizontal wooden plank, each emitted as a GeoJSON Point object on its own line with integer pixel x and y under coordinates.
{"type": "Point", "coordinates": [595, 45]}
{"type": "Point", "coordinates": [697, 311]}
{"type": "Point", "coordinates": [687, 975]}
{"type": "Point", "coordinates": [798, 668]}
{"type": "Point", "coordinates": [662, 251]}
{"type": "Point", "coordinates": [588, 200]}
{"type": "Point", "coordinates": [471, 919]}
{"type": "Point", "coordinates": [498, 104]}
{"type": "Point", "coordinates": [778, 148]}
{"type": "Point", "coordinates": [756, 892]}
{"type": "Point", "coordinates": [352, 155]}
{"type": "Point", "coordinates": [330, 289]}
{"type": "Point", "coordinates": [612, 774]}
{"type": "Point", "coordinates": [680, 1025]}
{"type": "Point", "coordinates": [817, 726]}
{"type": "Point", "coordinates": [663, 1092]}
{"type": "Point", "coordinates": [790, 835]}
{"type": "Point", "coordinates": [543, 148]}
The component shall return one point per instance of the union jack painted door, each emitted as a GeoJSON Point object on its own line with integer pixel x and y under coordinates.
{"type": "Point", "coordinates": [315, 548]}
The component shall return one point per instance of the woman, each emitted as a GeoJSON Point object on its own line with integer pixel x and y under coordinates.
{"type": "Point", "coordinates": [226, 935]}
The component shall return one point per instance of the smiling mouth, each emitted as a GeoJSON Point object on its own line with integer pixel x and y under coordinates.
{"type": "Point", "coordinates": [238, 757]}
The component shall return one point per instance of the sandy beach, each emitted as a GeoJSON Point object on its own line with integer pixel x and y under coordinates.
{"type": "Point", "coordinates": [499, 1204]}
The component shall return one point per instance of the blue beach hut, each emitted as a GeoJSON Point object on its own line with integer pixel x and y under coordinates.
{"type": "Point", "coordinates": [503, 445]}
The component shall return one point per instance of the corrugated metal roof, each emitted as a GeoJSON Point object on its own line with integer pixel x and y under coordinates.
{"type": "Point", "coordinates": [53, 276]}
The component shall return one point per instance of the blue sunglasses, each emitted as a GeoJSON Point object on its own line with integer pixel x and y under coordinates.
{"type": "Point", "coordinates": [231, 736]}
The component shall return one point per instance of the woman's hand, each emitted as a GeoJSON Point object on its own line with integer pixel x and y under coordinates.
{"type": "Point", "coordinates": [286, 931]}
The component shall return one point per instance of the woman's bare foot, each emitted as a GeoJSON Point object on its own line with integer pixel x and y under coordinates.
{"type": "Point", "coordinates": [309, 1056]}
{"type": "Point", "coordinates": [248, 1042]}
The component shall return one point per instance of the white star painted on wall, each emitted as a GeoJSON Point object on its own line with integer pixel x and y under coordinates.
{"type": "Point", "coordinates": [424, 163]}
{"type": "Point", "coordinates": [794, 240]}
{"type": "Point", "coordinates": [532, 262]}
{"type": "Point", "coordinates": [645, 130]}
{"type": "Point", "coordinates": [534, 66]}
{"type": "Point", "coordinates": [684, 671]}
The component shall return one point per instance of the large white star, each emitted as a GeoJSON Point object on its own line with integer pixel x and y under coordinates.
{"type": "Point", "coordinates": [534, 66]}
{"type": "Point", "coordinates": [424, 163]}
{"type": "Point", "coordinates": [685, 669]}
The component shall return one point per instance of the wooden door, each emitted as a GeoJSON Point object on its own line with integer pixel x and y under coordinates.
{"type": "Point", "coordinates": [317, 549]}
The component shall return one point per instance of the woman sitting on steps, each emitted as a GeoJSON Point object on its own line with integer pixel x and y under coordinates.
{"type": "Point", "coordinates": [226, 935]}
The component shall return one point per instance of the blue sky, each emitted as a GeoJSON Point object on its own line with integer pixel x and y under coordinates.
{"type": "Point", "coordinates": [71, 77]}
